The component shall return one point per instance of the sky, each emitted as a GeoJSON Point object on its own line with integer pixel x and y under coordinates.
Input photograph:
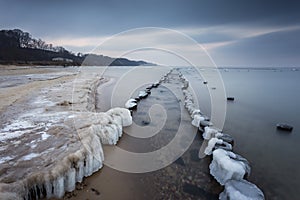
{"type": "Point", "coordinates": [259, 33]}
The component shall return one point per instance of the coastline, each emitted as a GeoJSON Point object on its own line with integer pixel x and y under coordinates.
{"type": "Point", "coordinates": [38, 136]}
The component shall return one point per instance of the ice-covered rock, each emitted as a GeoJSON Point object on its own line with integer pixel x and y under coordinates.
{"type": "Point", "coordinates": [123, 113]}
{"type": "Point", "coordinates": [224, 145]}
{"type": "Point", "coordinates": [225, 137]}
{"type": "Point", "coordinates": [197, 119]}
{"type": "Point", "coordinates": [205, 123]}
{"type": "Point", "coordinates": [143, 94]}
{"type": "Point", "coordinates": [209, 133]}
{"type": "Point", "coordinates": [131, 104]}
{"type": "Point", "coordinates": [196, 112]}
{"type": "Point", "coordinates": [155, 84]}
{"type": "Point", "coordinates": [241, 190]}
{"type": "Point", "coordinates": [185, 84]}
{"type": "Point", "coordinates": [211, 145]}
{"type": "Point", "coordinates": [224, 168]}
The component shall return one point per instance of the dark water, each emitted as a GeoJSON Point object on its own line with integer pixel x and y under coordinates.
{"type": "Point", "coordinates": [263, 98]}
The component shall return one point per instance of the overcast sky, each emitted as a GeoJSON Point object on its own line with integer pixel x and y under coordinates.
{"type": "Point", "coordinates": [234, 32]}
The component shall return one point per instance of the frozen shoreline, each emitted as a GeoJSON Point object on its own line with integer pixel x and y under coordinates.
{"type": "Point", "coordinates": [43, 152]}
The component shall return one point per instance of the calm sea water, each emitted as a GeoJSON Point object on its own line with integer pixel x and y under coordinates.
{"type": "Point", "coordinates": [263, 98]}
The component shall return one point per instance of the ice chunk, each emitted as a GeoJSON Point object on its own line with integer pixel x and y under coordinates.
{"type": "Point", "coordinates": [124, 113]}
{"type": "Point", "coordinates": [131, 103]}
{"type": "Point", "coordinates": [195, 112]}
{"type": "Point", "coordinates": [70, 180]}
{"type": "Point", "coordinates": [209, 133]}
{"type": "Point", "coordinates": [155, 84]}
{"type": "Point", "coordinates": [241, 190]}
{"type": "Point", "coordinates": [185, 84]}
{"type": "Point", "coordinates": [224, 145]}
{"type": "Point", "coordinates": [224, 168]}
{"type": "Point", "coordinates": [197, 119]}
{"type": "Point", "coordinates": [143, 94]}
{"type": "Point", "coordinates": [5, 159]}
{"type": "Point", "coordinates": [58, 187]}
{"type": "Point", "coordinates": [211, 144]}
{"type": "Point", "coordinates": [225, 137]}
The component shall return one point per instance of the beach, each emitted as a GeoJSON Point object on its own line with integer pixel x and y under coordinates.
{"type": "Point", "coordinates": [39, 105]}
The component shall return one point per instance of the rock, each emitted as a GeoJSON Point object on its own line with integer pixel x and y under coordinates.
{"type": "Point", "coordinates": [95, 191]}
{"type": "Point", "coordinates": [205, 123]}
{"type": "Point", "coordinates": [156, 84]}
{"type": "Point", "coordinates": [131, 104]}
{"type": "Point", "coordinates": [240, 190]}
{"type": "Point", "coordinates": [223, 167]}
{"type": "Point", "coordinates": [284, 127]}
{"type": "Point", "coordinates": [197, 120]}
{"type": "Point", "coordinates": [143, 94]}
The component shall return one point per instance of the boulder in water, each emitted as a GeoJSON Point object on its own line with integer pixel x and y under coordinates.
{"type": "Point", "coordinates": [224, 167]}
{"type": "Point", "coordinates": [131, 104]}
{"type": "Point", "coordinates": [284, 127]}
{"type": "Point", "coordinates": [240, 190]}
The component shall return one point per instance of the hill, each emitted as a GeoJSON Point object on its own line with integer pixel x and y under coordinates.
{"type": "Point", "coordinates": [19, 48]}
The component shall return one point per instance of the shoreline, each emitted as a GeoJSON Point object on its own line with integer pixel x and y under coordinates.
{"type": "Point", "coordinates": [47, 107]}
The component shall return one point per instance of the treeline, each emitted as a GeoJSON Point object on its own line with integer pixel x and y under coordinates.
{"type": "Point", "coordinates": [19, 48]}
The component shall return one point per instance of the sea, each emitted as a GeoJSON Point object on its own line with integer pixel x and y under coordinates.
{"type": "Point", "coordinates": [263, 97]}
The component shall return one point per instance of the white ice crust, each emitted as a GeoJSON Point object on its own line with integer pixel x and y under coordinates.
{"type": "Point", "coordinates": [224, 168]}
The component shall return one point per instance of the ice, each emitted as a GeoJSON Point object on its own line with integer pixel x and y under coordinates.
{"type": "Point", "coordinates": [5, 159]}
{"type": "Point", "coordinates": [225, 137]}
{"type": "Point", "coordinates": [79, 171]}
{"type": "Point", "coordinates": [224, 168]}
{"type": "Point", "coordinates": [16, 125]}
{"type": "Point", "coordinates": [70, 180]}
{"type": "Point", "coordinates": [130, 104]}
{"type": "Point", "coordinates": [45, 136]}
{"type": "Point", "coordinates": [185, 84]}
{"type": "Point", "coordinates": [195, 112]}
{"type": "Point", "coordinates": [197, 119]}
{"type": "Point", "coordinates": [58, 187]}
{"type": "Point", "coordinates": [143, 94]}
{"type": "Point", "coordinates": [209, 133]}
{"type": "Point", "coordinates": [211, 144]}
{"type": "Point", "coordinates": [123, 113]}
{"type": "Point", "coordinates": [241, 190]}
{"type": "Point", "coordinates": [224, 145]}
{"type": "Point", "coordinates": [30, 156]}
{"type": "Point", "coordinates": [15, 129]}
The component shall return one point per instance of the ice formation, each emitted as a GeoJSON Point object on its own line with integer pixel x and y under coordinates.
{"type": "Point", "coordinates": [197, 119]}
{"type": "Point", "coordinates": [209, 133]}
{"type": "Point", "coordinates": [143, 94]}
{"type": "Point", "coordinates": [241, 190]}
{"type": "Point", "coordinates": [211, 145]}
{"type": "Point", "coordinates": [223, 167]}
{"type": "Point", "coordinates": [80, 159]}
{"type": "Point", "coordinates": [131, 103]}
{"type": "Point", "coordinates": [227, 167]}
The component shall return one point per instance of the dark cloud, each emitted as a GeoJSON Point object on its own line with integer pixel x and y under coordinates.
{"type": "Point", "coordinates": [107, 16]}
{"type": "Point", "coordinates": [71, 18]}
{"type": "Point", "coordinates": [280, 48]}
